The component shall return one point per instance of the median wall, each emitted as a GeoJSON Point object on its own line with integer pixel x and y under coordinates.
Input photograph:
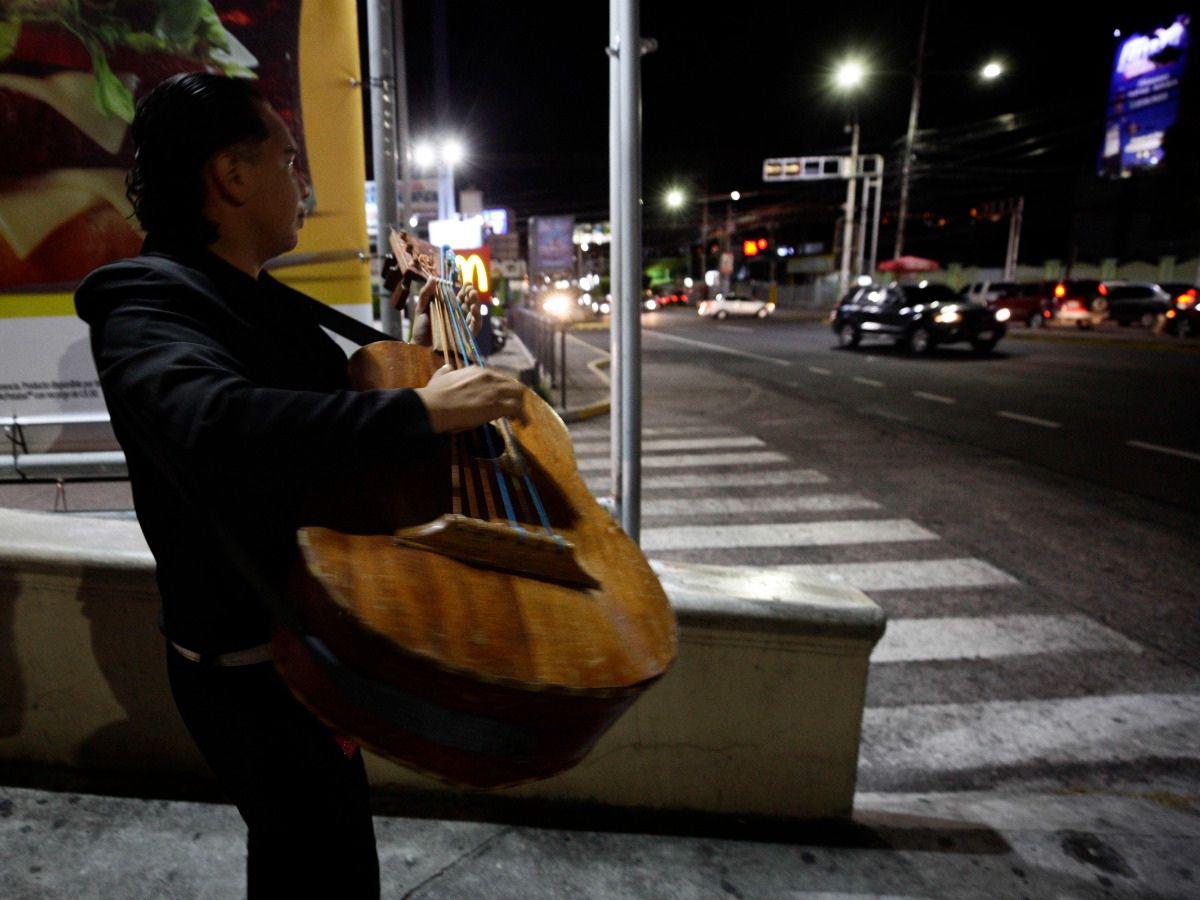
{"type": "Point", "coordinates": [761, 713]}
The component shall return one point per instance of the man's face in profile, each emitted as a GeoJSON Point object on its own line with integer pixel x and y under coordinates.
{"type": "Point", "coordinates": [274, 205]}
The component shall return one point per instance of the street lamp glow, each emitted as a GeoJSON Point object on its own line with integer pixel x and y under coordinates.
{"type": "Point", "coordinates": [674, 198]}
{"type": "Point", "coordinates": [992, 71]}
{"type": "Point", "coordinates": [452, 151]}
{"type": "Point", "coordinates": [424, 155]}
{"type": "Point", "coordinates": [849, 74]}
{"type": "Point", "coordinates": [735, 195]}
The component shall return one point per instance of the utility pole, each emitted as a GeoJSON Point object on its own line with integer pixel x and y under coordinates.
{"type": "Point", "coordinates": [381, 83]}
{"type": "Point", "coordinates": [906, 163]}
{"type": "Point", "coordinates": [1016, 212]}
{"type": "Point", "coordinates": [848, 227]}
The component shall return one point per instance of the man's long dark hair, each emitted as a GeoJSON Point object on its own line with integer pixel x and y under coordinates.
{"type": "Point", "coordinates": [178, 126]}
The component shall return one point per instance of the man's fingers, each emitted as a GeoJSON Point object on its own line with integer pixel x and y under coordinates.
{"type": "Point", "coordinates": [426, 296]}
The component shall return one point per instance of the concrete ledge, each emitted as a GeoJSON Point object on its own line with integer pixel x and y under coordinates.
{"type": "Point", "coordinates": [760, 715]}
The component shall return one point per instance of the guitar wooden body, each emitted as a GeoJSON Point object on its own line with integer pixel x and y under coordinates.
{"type": "Point", "coordinates": [450, 653]}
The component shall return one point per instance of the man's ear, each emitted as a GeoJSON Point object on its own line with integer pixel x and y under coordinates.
{"type": "Point", "coordinates": [225, 173]}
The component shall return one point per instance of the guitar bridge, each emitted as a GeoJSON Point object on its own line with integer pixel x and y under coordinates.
{"type": "Point", "coordinates": [500, 546]}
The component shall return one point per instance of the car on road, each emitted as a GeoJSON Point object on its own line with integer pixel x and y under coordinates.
{"type": "Point", "coordinates": [1081, 302]}
{"type": "Point", "coordinates": [723, 306]}
{"type": "Point", "coordinates": [918, 317]}
{"type": "Point", "coordinates": [1183, 318]}
{"type": "Point", "coordinates": [1142, 302]}
{"type": "Point", "coordinates": [1025, 301]}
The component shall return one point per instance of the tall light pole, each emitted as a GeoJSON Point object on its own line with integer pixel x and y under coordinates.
{"type": "Point", "coordinates": [848, 78]}
{"type": "Point", "coordinates": [906, 162]}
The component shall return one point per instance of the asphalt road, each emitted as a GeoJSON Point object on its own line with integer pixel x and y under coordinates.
{"type": "Point", "coordinates": [1121, 416]}
{"type": "Point", "coordinates": [1038, 571]}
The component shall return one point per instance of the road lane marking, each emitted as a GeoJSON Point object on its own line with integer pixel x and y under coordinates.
{"type": "Point", "coordinates": [591, 448]}
{"type": "Point", "coordinates": [980, 736]}
{"type": "Point", "coordinates": [692, 461]}
{"type": "Point", "coordinates": [757, 357]}
{"type": "Point", "coordinates": [1030, 420]}
{"type": "Point", "coordinates": [708, 506]}
{"type": "Point", "coordinates": [818, 370]}
{"type": "Point", "coordinates": [871, 381]}
{"type": "Point", "coordinates": [994, 637]}
{"type": "Point", "coordinates": [901, 575]}
{"type": "Point", "coordinates": [936, 398]}
{"type": "Point", "coordinates": [784, 534]}
{"type": "Point", "coordinates": [595, 433]}
{"type": "Point", "coordinates": [1158, 448]}
{"type": "Point", "coordinates": [599, 483]}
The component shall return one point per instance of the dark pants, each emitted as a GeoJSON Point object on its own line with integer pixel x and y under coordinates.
{"type": "Point", "coordinates": [305, 803]}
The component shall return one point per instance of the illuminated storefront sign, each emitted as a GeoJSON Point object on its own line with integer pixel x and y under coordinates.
{"type": "Point", "coordinates": [1143, 102]}
{"type": "Point", "coordinates": [474, 266]}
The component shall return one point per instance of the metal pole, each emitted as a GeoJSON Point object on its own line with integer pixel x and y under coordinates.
{"type": "Point", "coordinates": [1014, 239]}
{"type": "Point", "coordinates": [848, 226]}
{"type": "Point", "coordinates": [401, 76]}
{"type": "Point", "coordinates": [616, 285]}
{"type": "Point", "coordinates": [875, 229]}
{"type": "Point", "coordinates": [562, 367]}
{"type": "Point", "coordinates": [380, 34]}
{"type": "Point", "coordinates": [906, 163]}
{"type": "Point", "coordinates": [860, 227]}
{"type": "Point", "coordinates": [630, 59]}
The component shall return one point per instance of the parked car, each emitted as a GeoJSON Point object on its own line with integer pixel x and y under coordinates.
{"type": "Point", "coordinates": [1140, 302]}
{"type": "Point", "coordinates": [1083, 302]}
{"type": "Point", "coordinates": [1183, 318]}
{"type": "Point", "coordinates": [987, 291]}
{"type": "Point", "coordinates": [723, 306]}
{"type": "Point", "coordinates": [671, 297]}
{"type": "Point", "coordinates": [1026, 301]}
{"type": "Point", "coordinates": [919, 317]}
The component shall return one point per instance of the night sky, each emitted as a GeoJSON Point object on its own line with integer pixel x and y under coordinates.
{"type": "Point", "coordinates": [733, 84]}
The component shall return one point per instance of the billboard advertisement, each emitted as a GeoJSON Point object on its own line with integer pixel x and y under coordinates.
{"type": "Point", "coordinates": [1143, 100]}
{"type": "Point", "coordinates": [70, 75]}
{"type": "Point", "coordinates": [551, 245]}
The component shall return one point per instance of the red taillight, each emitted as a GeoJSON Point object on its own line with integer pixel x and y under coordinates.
{"type": "Point", "coordinates": [1103, 290]}
{"type": "Point", "coordinates": [1186, 299]}
{"type": "Point", "coordinates": [1045, 313]}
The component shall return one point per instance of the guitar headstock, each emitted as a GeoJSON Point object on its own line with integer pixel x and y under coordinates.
{"type": "Point", "coordinates": [411, 259]}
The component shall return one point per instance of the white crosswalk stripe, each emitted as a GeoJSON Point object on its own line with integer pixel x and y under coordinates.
{"type": "Point", "coordinates": [901, 575]}
{"type": "Point", "coordinates": [691, 461]}
{"type": "Point", "coordinates": [705, 506]}
{"type": "Point", "coordinates": [922, 640]}
{"type": "Point", "coordinates": [760, 478]}
{"type": "Point", "coordinates": [786, 534]}
{"type": "Point", "coordinates": [592, 448]}
{"type": "Point", "coordinates": [593, 433]}
{"type": "Point", "coordinates": [962, 736]}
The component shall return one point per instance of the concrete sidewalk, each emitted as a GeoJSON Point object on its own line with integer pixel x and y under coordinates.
{"type": "Point", "coordinates": [587, 392]}
{"type": "Point", "coordinates": [60, 844]}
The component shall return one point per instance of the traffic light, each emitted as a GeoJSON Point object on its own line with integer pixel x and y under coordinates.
{"type": "Point", "coordinates": [754, 247]}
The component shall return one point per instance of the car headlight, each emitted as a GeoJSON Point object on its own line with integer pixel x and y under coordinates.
{"type": "Point", "coordinates": [557, 305]}
{"type": "Point", "coordinates": [1003, 315]}
{"type": "Point", "coordinates": [948, 315]}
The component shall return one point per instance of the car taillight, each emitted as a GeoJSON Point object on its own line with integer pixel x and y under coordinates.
{"type": "Point", "coordinates": [1103, 290]}
{"type": "Point", "coordinates": [1045, 313]}
{"type": "Point", "coordinates": [1186, 299]}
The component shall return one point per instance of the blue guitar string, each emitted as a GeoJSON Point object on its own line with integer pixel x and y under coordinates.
{"type": "Point", "coordinates": [449, 272]}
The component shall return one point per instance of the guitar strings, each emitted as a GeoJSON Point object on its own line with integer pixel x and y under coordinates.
{"type": "Point", "coordinates": [449, 261]}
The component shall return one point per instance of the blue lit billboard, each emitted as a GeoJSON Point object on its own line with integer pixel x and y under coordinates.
{"type": "Point", "coordinates": [1143, 101]}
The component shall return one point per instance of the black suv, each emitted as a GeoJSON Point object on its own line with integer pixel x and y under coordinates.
{"type": "Point", "coordinates": [918, 317]}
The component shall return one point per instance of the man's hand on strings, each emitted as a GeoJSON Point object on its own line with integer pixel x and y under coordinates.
{"type": "Point", "coordinates": [460, 399]}
{"type": "Point", "coordinates": [468, 301]}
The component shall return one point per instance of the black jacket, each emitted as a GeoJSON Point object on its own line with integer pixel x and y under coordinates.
{"type": "Point", "coordinates": [230, 402]}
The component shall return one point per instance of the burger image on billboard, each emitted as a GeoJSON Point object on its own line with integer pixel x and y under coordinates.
{"type": "Point", "coordinates": [71, 72]}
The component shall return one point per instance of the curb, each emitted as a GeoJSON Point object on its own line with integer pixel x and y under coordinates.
{"type": "Point", "coordinates": [1171, 345]}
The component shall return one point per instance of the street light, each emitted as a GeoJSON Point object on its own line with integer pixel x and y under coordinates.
{"type": "Point", "coordinates": [992, 71]}
{"type": "Point", "coordinates": [674, 198]}
{"type": "Point", "coordinates": [735, 195]}
{"type": "Point", "coordinates": [849, 74]}
{"type": "Point", "coordinates": [445, 155]}
{"type": "Point", "coordinates": [848, 77]}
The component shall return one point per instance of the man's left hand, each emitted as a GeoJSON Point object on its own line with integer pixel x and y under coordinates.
{"type": "Point", "coordinates": [468, 302]}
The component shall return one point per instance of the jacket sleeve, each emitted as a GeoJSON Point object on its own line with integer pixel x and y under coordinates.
{"type": "Point", "coordinates": [185, 394]}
